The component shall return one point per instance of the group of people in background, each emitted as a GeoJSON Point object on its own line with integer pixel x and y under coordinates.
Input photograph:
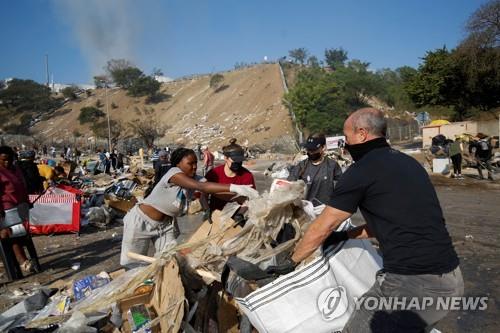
{"type": "Point", "coordinates": [109, 161]}
{"type": "Point", "coordinates": [481, 149]}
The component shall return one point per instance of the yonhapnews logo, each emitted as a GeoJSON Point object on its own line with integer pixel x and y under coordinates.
{"type": "Point", "coordinates": [333, 303]}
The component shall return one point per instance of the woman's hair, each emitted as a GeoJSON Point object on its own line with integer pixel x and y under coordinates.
{"type": "Point", "coordinates": [7, 151]}
{"type": "Point", "coordinates": [179, 154]}
{"type": "Point", "coordinates": [232, 147]}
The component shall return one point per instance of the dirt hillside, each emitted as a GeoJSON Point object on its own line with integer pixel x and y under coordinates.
{"type": "Point", "coordinates": [247, 107]}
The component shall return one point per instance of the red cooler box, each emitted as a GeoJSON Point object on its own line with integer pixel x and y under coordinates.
{"type": "Point", "coordinates": [56, 211]}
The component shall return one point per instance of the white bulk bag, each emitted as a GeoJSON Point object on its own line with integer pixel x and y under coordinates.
{"type": "Point", "coordinates": [318, 297]}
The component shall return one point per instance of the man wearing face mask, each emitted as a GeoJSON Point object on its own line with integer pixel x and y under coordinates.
{"type": "Point", "coordinates": [402, 211]}
{"type": "Point", "coordinates": [319, 172]}
{"type": "Point", "coordinates": [231, 172]}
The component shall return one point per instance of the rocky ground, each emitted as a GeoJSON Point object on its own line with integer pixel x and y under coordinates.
{"type": "Point", "coordinates": [471, 209]}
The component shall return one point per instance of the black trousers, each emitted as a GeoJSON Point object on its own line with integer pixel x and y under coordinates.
{"type": "Point", "coordinates": [457, 163]}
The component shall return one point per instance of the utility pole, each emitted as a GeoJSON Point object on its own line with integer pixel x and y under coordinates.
{"type": "Point", "coordinates": [107, 112]}
{"type": "Point", "coordinates": [47, 69]}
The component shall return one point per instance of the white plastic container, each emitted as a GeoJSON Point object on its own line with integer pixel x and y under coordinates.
{"type": "Point", "coordinates": [441, 165]}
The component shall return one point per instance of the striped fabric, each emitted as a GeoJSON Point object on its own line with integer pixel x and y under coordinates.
{"type": "Point", "coordinates": [53, 198]}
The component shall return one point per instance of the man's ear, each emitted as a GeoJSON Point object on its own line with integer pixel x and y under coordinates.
{"type": "Point", "coordinates": [364, 134]}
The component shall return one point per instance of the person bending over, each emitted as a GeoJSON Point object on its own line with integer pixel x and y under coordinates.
{"type": "Point", "coordinates": [154, 218]}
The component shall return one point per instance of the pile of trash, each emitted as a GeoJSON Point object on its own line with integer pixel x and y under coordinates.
{"type": "Point", "coordinates": [209, 282]}
{"type": "Point", "coordinates": [440, 146]}
{"type": "Point", "coordinates": [178, 287]}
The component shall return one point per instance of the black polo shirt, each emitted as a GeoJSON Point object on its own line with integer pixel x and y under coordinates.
{"type": "Point", "coordinates": [399, 203]}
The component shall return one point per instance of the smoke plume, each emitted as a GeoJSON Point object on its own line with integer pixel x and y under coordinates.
{"type": "Point", "coordinates": [105, 29]}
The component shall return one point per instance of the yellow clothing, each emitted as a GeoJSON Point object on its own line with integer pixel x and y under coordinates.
{"type": "Point", "coordinates": [47, 173]}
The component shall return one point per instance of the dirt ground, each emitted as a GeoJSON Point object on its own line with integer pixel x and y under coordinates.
{"type": "Point", "coordinates": [471, 208]}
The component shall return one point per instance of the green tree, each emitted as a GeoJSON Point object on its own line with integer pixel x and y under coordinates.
{"type": "Point", "coordinates": [316, 100]}
{"type": "Point", "coordinates": [122, 72]}
{"type": "Point", "coordinates": [436, 81]}
{"type": "Point", "coordinates": [358, 65]}
{"type": "Point", "coordinates": [313, 61]}
{"type": "Point", "coordinates": [216, 81]}
{"type": "Point", "coordinates": [125, 78]}
{"type": "Point", "coordinates": [90, 114]}
{"type": "Point", "coordinates": [357, 84]}
{"type": "Point", "coordinates": [479, 69]}
{"type": "Point", "coordinates": [27, 95]}
{"type": "Point", "coordinates": [70, 92]}
{"type": "Point", "coordinates": [392, 87]}
{"type": "Point", "coordinates": [144, 86]}
{"type": "Point", "coordinates": [117, 64]}
{"type": "Point", "coordinates": [299, 55]}
{"type": "Point", "coordinates": [406, 73]}
{"type": "Point", "coordinates": [466, 79]}
{"type": "Point", "coordinates": [335, 58]}
{"type": "Point", "coordinates": [484, 25]}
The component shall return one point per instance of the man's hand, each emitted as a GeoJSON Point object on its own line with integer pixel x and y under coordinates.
{"type": "Point", "coordinates": [284, 268]}
{"type": "Point", "coordinates": [318, 231]}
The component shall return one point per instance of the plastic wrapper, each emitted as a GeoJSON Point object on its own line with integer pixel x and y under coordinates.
{"type": "Point", "coordinates": [101, 293]}
{"type": "Point", "coordinates": [83, 287]}
{"type": "Point", "coordinates": [138, 316]}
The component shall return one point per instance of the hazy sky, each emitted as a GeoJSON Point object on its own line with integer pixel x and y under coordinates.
{"type": "Point", "coordinates": [186, 36]}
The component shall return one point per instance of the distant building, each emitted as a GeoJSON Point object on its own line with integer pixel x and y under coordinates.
{"type": "Point", "coordinates": [488, 127]}
{"type": "Point", "coordinates": [57, 87]}
{"type": "Point", "coordinates": [163, 79]}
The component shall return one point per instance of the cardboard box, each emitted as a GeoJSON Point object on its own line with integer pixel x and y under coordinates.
{"type": "Point", "coordinates": [125, 304]}
{"type": "Point", "coordinates": [166, 300]}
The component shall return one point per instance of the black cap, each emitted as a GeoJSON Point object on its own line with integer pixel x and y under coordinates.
{"type": "Point", "coordinates": [237, 156]}
{"type": "Point", "coordinates": [314, 143]}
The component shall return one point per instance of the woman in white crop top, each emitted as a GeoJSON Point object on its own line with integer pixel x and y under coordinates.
{"type": "Point", "coordinates": [153, 218]}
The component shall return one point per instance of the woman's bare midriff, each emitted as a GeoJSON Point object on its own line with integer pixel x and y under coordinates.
{"type": "Point", "coordinates": [152, 212]}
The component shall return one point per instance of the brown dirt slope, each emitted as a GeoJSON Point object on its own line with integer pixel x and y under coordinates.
{"type": "Point", "coordinates": [247, 107]}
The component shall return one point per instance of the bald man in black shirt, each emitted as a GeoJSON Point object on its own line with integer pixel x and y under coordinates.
{"type": "Point", "coordinates": [402, 211]}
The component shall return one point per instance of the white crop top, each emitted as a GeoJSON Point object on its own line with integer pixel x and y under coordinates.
{"type": "Point", "coordinates": [168, 198]}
